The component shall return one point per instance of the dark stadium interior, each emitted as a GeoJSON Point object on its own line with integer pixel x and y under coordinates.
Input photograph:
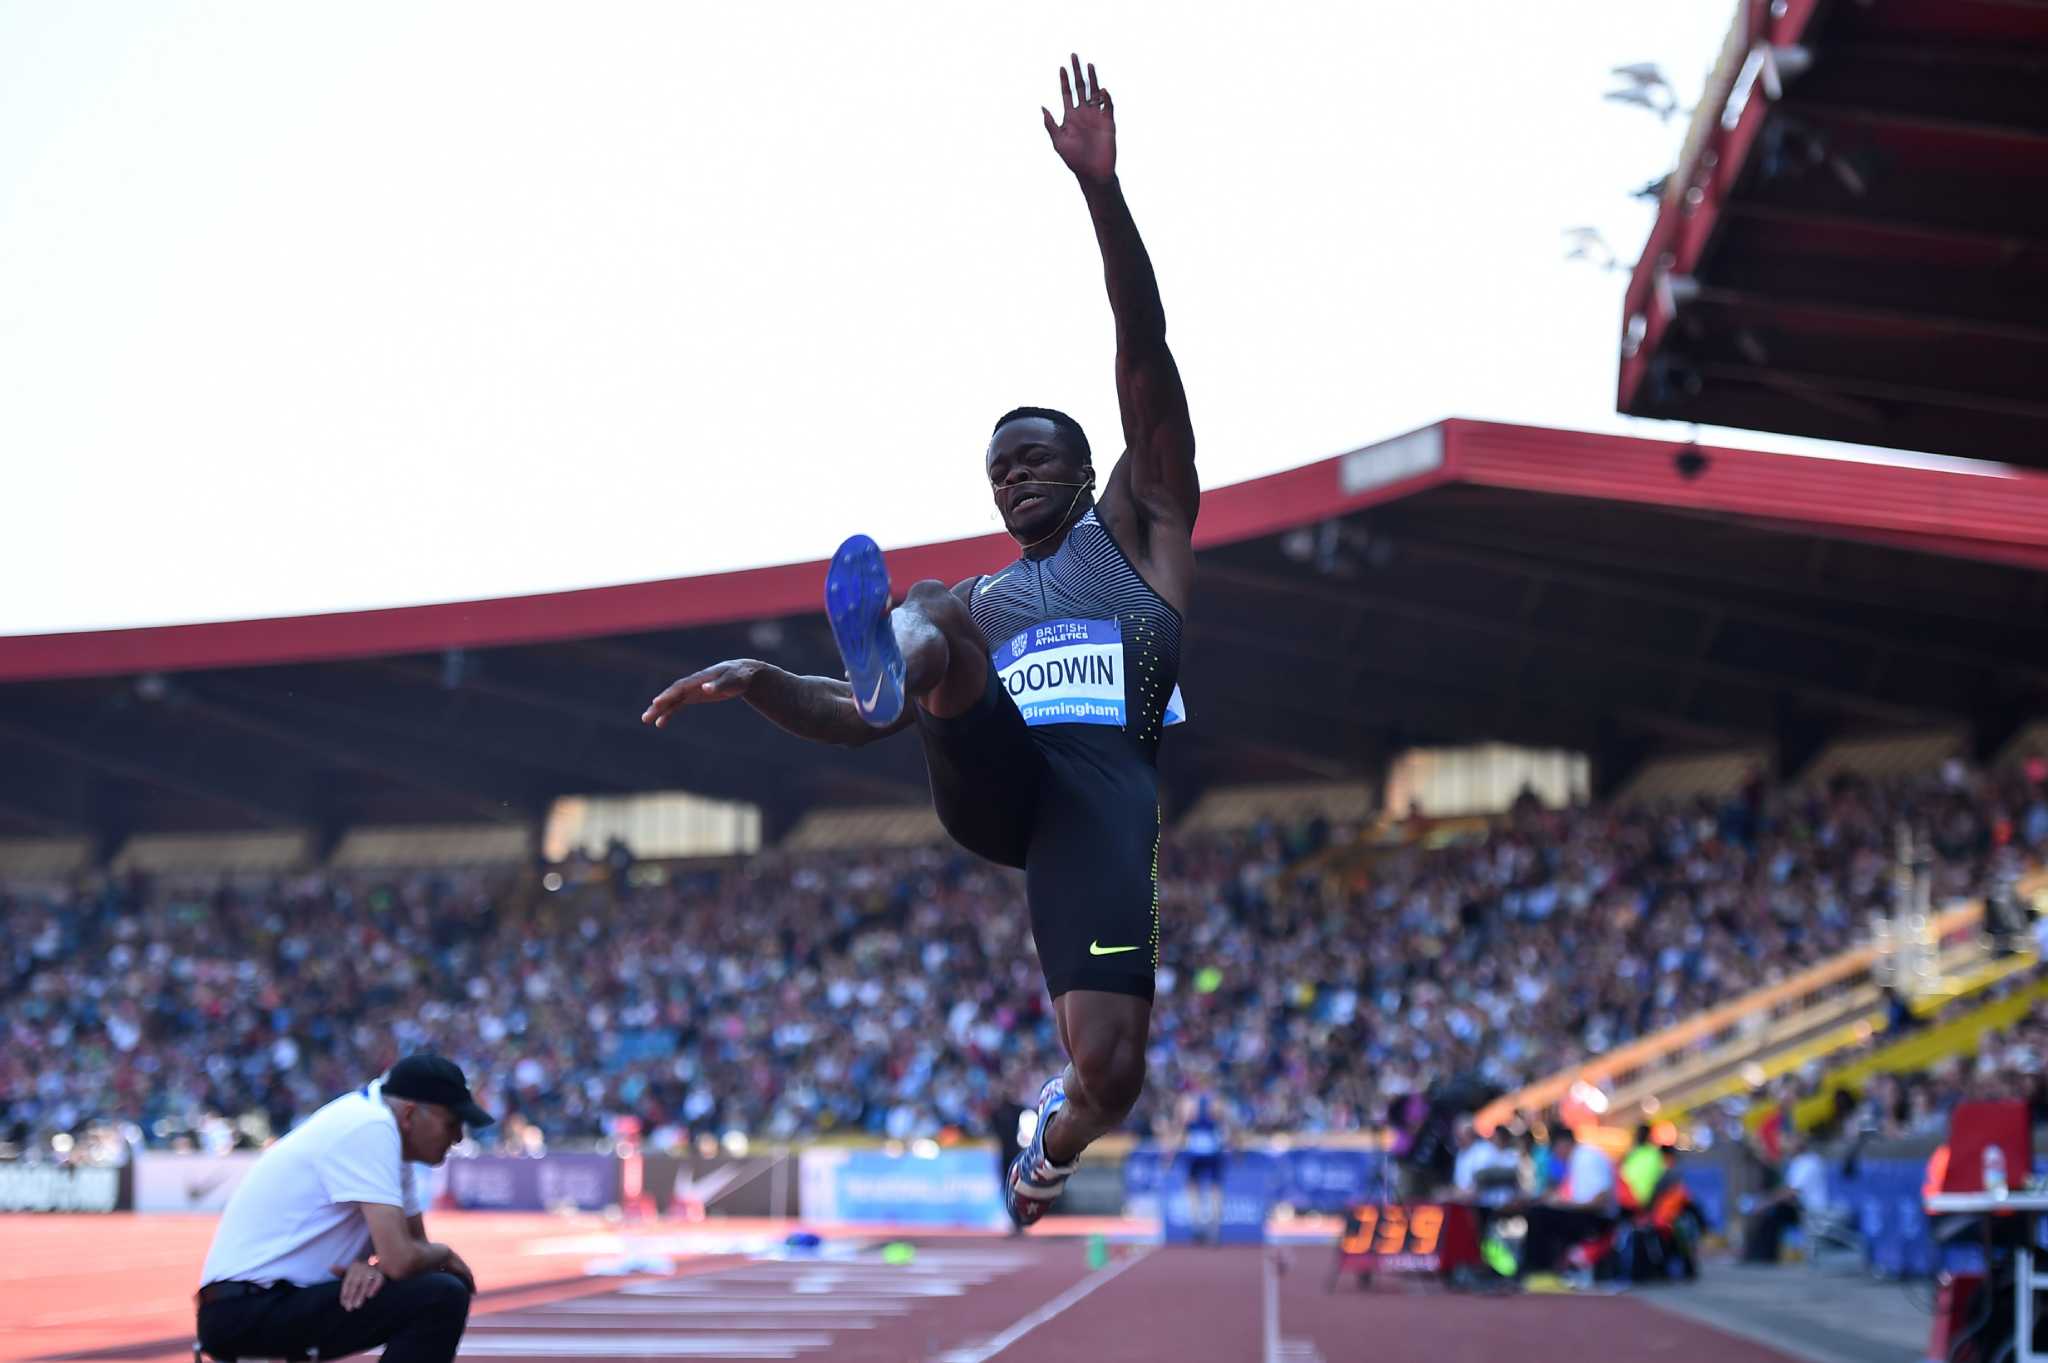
{"type": "Point", "coordinates": [1866, 258]}
{"type": "Point", "coordinates": [1450, 607]}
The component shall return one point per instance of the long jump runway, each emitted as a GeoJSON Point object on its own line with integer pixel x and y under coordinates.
{"type": "Point", "coordinates": [1017, 1300]}
{"type": "Point", "coordinates": [962, 1299]}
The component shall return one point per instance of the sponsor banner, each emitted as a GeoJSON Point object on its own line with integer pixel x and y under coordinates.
{"type": "Point", "coordinates": [506, 1183]}
{"type": "Point", "coordinates": [166, 1181]}
{"type": "Point", "coordinates": [1247, 1197]}
{"type": "Point", "coordinates": [953, 1188]}
{"type": "Point", "coordinates": [1884, 1199]}
{"type": "Point", "coordinates": [1310, 1180]}
{"type": "Point", "coordinates": [36, 1187]}
{"type": "Point", "coordinates": [1708, 1186]}
{"type": "Point", "coordinates": [1094, 1190]}
{"type": "Point", "coordinates": [722, 1185]}
{"type": "Point", "coordinates": [1318, 1180]}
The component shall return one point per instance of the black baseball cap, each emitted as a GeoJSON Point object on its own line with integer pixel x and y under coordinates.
{"type": "Point", "coordinates": [428, 1078]}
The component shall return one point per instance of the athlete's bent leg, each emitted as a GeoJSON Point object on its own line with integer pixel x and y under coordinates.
{"type": "Point", "coordinates": [945, 654]}
{"type": "Point", "coordinates": [1104, 1033]}
{"type": "Point", "coordinates": [1105, 1036]}
{"type": "Point", "coordinates": [927, 650]}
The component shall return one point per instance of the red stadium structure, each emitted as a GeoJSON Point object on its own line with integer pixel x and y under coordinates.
{"type": "Point", "coordinates": [1467, 581]}
{"type": "Point", "coordinates": [1855, 242]}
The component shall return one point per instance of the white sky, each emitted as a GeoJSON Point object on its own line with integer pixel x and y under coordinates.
{"type": "Point", "coordinates": [315, 307]}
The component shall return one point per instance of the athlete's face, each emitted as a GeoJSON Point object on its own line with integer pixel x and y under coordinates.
{"type": "Point", "coordinates": [1025, 458]}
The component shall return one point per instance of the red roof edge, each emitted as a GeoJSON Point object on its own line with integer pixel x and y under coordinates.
{"type": "Point", "coordinates": [2000, 519]}
{"type": "Point", "coordinates": [1714, 159]}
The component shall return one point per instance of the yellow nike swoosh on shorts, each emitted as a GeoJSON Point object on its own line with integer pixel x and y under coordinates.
{"type": "Point", "coordinates": [1097, 949]}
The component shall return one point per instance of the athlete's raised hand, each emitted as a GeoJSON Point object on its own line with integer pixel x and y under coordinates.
{"type": "Point", "coordinates": [720, 681]}
{"type": "Point", "coordinates": [1085, 136]}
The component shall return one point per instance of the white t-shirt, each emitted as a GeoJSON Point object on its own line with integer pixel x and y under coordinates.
{"type": "Point", "coordinates": [1479, 1158]}
{"type": "Point", "coordinates": [1807, 1176]}
{"type": "Point", "coordinates": [1589, 1176]}
{"type": "Point", "coordinates": [294, 1218]}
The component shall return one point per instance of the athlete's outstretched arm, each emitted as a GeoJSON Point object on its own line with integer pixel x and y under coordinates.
{"type": "Point", "coordinates": [818, 708]}
{"type": "Point", "coordinates": [1158, 467]}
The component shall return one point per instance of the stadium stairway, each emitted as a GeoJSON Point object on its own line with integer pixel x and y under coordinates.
{"type": "Point", "coordinates": [1957, 1035]}
{"type": "Point", "coordinates": [1844, 1021]}
{"type": "Point", "coordinates": [1740, 1046]}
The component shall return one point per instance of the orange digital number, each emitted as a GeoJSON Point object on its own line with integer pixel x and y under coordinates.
{"type": "Point", "coordinates": [1428, 1227]}
{"type": "Point", "coordinates": [1393, 1230]}
{"type": "Point", "coordinates": [1360, 1240]}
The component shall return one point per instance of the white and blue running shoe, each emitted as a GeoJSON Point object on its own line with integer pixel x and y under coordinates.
{"type": "Point", "coordinates": [1035, 1182]}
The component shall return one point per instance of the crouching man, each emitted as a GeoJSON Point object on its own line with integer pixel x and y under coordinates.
{"type": "Point", "coordinates": [291, 1273]}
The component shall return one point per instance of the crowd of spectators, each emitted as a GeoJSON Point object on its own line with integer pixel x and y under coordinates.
{"type": "Point", "coordinates": [896, 992]}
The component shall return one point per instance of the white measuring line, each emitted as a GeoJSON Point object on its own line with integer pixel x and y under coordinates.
{"type": "Point", "coordinates": [1280, 1350]}
{"type": "Point", "coordinates": [564, 1346]}
{"type": "Point", "coordinates": [976, 1353]}
{"type": "Point", "coordinates": [1272, 1294]}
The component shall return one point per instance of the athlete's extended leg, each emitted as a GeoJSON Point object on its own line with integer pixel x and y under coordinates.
{"type": "Point", "coordinates": [1105, 1036]}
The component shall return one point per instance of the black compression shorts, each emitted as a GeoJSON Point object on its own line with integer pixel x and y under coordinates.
{"type": "Point", "coordinates": [1078, 811]}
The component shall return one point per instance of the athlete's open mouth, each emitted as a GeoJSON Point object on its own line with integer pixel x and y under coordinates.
{"type": "Point", "coordinates": [1022, 500]}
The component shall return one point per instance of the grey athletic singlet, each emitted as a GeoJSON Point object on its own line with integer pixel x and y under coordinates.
{"type": "Point", "coordinates": [1079, 638]}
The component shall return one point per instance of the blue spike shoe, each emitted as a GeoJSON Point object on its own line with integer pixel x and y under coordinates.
{"type": "Point", "coordinates": [857, 604]}
{"type": "Point", "coordinates": [1034, 1181]}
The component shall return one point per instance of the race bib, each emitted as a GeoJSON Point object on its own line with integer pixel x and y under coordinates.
{"type": "Point", "coordinates": [1071, 672]}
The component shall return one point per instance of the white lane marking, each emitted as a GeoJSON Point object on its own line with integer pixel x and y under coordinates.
{"type": "Point", "coordinates": [767, 1309]}
{"type": "Point", "coordinates": [534, 1345]}
{"type": "Point", "coordinates": [849, 1272]}
{"type": "Point", "coordinates": [730, 1302]}
{"type": "Point", "coordinates": [930, 1261]}
{"type": "Point", "coordinates": [730, 1321]}
{"type": "Point", "coordinates": [1278, 1350]}
{"type": "Point", "coordinates": [976, 1353]}
{"type": "Point", "coordinates": [813, 1287]}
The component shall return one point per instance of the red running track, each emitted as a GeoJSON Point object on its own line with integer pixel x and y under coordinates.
{"type": "Point", "coordinates": [963, 1299]}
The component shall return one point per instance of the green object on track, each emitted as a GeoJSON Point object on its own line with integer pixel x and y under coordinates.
{"type": "Point", "coordinates": [897, 1252]}
{"type": "Point", "coordinates": [1498, 1256]}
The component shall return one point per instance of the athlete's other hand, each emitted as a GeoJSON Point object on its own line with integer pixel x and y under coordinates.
{"type": "Point", "coordinates": [720, 681]}
{"type": "Point", "coordinates": [359, 1283]}
{"type": "Point", "coordinates": [1085, 137]}
{"type": "Point", "coordinates": [461, 1270]}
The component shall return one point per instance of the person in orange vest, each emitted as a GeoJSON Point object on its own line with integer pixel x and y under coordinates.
{"type": "Point", "coordinates": [1937, 1174]}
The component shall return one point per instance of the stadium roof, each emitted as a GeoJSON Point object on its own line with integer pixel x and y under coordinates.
{"type": "Point", "coordinates": [1855, 242]}
{"type": "Point", "coordinates": [1465, 582]}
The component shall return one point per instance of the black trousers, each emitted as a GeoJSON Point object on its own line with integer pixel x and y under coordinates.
{"type": "Point", "coordinates": [416, 1320]}
{"type": "Point", "coordinates": [1764, 1237]}
{"type": "Point", "coordinates": [1554, 1230]}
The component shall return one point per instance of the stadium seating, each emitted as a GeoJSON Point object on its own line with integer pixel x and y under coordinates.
{"type": "Point", "coordinates": [892, 991]}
